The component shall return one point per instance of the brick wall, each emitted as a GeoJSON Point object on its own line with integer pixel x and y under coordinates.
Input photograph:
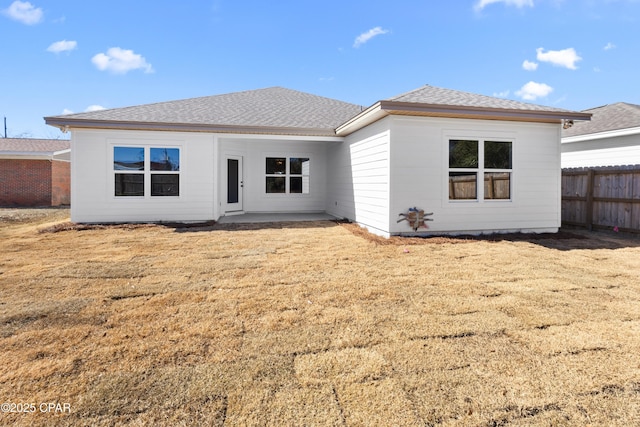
{"type": "Point", "coordinates": [25, 182]}
{"type": "Point", "coordinates": [60, 183]}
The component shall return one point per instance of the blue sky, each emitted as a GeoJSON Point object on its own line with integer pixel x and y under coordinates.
{"type": "Point", "coordinates": [62, 56]}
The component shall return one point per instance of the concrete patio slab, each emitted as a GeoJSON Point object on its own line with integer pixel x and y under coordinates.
{"type": "Point", "coordinates": [275, 217]}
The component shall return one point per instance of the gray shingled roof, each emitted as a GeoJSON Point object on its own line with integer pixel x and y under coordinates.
{"type": "Point", "coordinates": [36, 146]}
{"type": "Point", "coordinates": [440, 96]}
{"type": "Point", "coordinates": [430, 101]}
{"type": "Point", "coordinates": [279, 110]}
{"type": "Point", "coordinates": [607, 118]}
{"type": "Point", "coordinates": [274, 107]}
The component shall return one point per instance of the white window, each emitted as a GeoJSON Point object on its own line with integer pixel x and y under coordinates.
{"type": "Point", "coordinates": [135, 167]}
{"type": "Point", "coordinates": [287, 175]}
{"type": "Point", "coordinates": [472, 160]}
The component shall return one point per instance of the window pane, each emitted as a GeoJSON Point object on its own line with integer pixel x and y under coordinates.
{"type": "Point", "coordinates": [462, 186]}
{"type": "Point", "coordinates": [463, 154]}
{"type": "Point", "coordinates": [165, 159]}
{"type": "Point", "coordinates": [299, 184]}
{"type": "Point", "coordinates": [298, 166]}
{"type": "Point", "coordinates": [497, 185]}
{"type": "Point", "coordinates": [129, 184]}
{"type": "Point", "coordinates": [497, 155]}
{"type": "Point", "coordinates": [165, 185]}
{"type": "Point", "coordinates": [275, 184]}
{"type": "Point", "coordinates": [128, 158]}
{"type": "Point", "coordinates": [233, 181]}
{"type": "Point", "coordinates": [276, 165]}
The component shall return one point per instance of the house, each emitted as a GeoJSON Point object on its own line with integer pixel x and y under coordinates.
{"type": "Point", "coordinates": [479, 164]}
{"type": "Point", "coordinates": [611, 138]}
{"type": "Point", "coordinates": [34, 172]}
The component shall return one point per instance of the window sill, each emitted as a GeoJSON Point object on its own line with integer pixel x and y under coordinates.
{"type": "Point", "coordinates": [146, 197]}
{"type": "Point", "coordinates": [480, 202]}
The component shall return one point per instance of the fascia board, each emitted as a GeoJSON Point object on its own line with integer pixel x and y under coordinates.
{"type": "Point", "coordinates": [497, 113]}
{"type": "Point", "coordinates": [368, 116]}
{"type": "Point", "coordinates": [601, 135]}
{"type": "Point", "coordinates": [384, 108]}
{"type": "Point", "coordinates": [26, 155]}
{"type": "Point", "coordinates": [68, 124]}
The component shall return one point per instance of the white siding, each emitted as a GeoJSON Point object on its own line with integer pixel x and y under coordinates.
{"type": "Point", "coordinates": [419, 164]}
{"type": "Point", "coordinates": [375, 174]}
{"type": "Point", "coordinates": [92, 178]}
{"type": "Point", "coordinates": [622, 150]}
{"type": "Point", "coordinates": [254, 154]}
{"type": "Point", "coordinates": [358, 182]}
{"type": "Point", "coordinates": [202, 184]}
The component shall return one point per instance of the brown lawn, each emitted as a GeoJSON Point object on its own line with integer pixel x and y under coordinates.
{"type": "Point", "coordinates": [314, 324]}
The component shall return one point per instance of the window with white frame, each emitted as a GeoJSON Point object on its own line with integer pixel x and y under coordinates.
{"type": "Point", "coordinates": [473, 159]}
{"type": "Point", "coordinates": [287, 175]}
{"type": "Point", "coordinates": [146, 171]}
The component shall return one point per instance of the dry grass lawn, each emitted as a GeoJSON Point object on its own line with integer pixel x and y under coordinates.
{"type": "Point", "coordinates": [315, 324]}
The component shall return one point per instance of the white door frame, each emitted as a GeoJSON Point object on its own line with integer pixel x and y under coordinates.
{"type": "Point", "coordinates": [233, 200]}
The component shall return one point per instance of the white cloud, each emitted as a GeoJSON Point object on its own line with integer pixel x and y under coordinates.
{"type": "Point", "coordinates": [92, 108]}
{"type": "Point", "coordinates": [481, 4]}
{"type": "Point", "coordinates": [529, 65]}
{"type": "Point", "coordinates": [532, 91]}
{"type": "Point", "coordinates": [562, 58]}
{"type": "Point", "coordinates": [121, 61]}
{"type": "Point", "coordinates": [62, 46]}
{"type": "Point", "coordinates": [503, 94]}
{"type": "Point", "coordinates": [609, 46]}
{"type": "Point", "coordinates": [89, 109]}
{"type": "Point", "coordinates": [25, 12]}
{"type": "Point", "coordinates": [365, 37]}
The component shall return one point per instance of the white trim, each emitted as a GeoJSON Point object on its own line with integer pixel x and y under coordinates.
{"type": "Point", "coordinates": [384, 108]}
{"type": "Point", "coordinates": [481, 137]}
{"type": "Point", "coordinates": [147, 172]}
{"type": "Point", "coordinates": [280, 137]}
{"type": "Point", "coordinates": [287, 175]}
{"type": "Point", "coordinates": [482, 232]}
{"type": "Point", "coordinates": [601, 135]}
{"type": "Point", "coordinates": [33, 155]}
{"type": "Point", "coordinates": [238, 207]}
{"type": "Point", "coordinates": [365, 118]}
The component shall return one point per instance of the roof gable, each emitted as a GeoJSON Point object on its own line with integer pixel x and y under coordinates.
{"type": "Point", "coordinates": [611, 117]}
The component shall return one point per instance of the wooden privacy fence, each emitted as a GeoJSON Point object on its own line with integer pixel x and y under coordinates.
{"type": "Point", "coordinates": [603, 197]}
{"type": "Point", "coordinates": [463, 185]}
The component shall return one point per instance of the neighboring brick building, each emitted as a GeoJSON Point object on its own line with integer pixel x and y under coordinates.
{"type": "Point", "coordinates": [35, 172]}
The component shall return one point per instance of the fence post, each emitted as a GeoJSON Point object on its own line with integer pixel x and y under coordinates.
{"type": "Point", "coordinates": [492, 190]}
{"type": "Point", "coordinates": [590, 185]}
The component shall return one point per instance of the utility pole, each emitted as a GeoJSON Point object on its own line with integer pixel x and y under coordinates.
{"type": "Point", "coordinates": [5, 127]}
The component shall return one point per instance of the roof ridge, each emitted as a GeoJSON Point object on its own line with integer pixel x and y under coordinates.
{"type": "Point", "coordinates": [628, 104]}
{"type": "Point", "coordinates": [409, 92]}
{"type": "Point", "coordinates": [620, 103]}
